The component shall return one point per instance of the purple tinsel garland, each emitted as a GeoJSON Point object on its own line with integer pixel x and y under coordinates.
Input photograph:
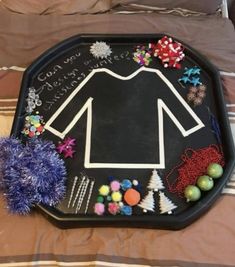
{"type": "Point", "coordinates": [31, 174]}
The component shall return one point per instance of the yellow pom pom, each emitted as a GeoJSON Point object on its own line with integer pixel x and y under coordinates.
{"type": "Point", "coordinates": [116, 196]}
{"type": "Point", "coordinates": [104, 190]}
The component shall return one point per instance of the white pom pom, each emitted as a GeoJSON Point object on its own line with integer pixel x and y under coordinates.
{"type": "Point", "coordinates": [120, 204]}
{"type": "Point", "coordinates": [135, 182]}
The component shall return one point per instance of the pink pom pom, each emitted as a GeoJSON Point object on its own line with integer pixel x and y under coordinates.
{"type": "Point", "coordinates": [99, 208]}
{"type": "Point", "coordinates": [113, 208]}
{"type": "Point", "coordinates": [115, 186]}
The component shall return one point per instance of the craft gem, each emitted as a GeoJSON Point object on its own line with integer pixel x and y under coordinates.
{"type": "Point", "coordinates": [32, 100]}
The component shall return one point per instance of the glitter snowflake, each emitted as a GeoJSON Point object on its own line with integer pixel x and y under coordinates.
{"type": "Point", "coordinates": [100, 50]}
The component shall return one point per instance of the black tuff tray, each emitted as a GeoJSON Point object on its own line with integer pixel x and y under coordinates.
{"type": "Point", "coordinates": [53, 75]}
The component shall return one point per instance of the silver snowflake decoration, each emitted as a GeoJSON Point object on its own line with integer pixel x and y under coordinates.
{"type": "Point", "coordinates": [100, 50]}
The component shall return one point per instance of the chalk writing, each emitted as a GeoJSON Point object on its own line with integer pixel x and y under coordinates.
{"type": "Point", "coordinates": [64, 83]}
{"type": "Point", "coordinates": [72, 58]}
{"type": "Point", "coordinates": [42, 76]}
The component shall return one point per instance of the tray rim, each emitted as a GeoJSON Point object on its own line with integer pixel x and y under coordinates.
{"type": "Point", "coordinates": [172, 222]}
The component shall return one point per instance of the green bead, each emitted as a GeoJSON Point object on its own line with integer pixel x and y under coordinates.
{"type": "Point", "coordinates": [215, 170]}
{"type": "Point", "coordinates": [205, 183]}
{"type": "Point", "coordinates": [100, 199]}
{"type": "Point", "coordinates": [192, 193]}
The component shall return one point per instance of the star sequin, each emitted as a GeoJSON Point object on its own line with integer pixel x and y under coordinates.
{"type": "Point", "coordinates": [69, 153]}
{"type": "Point", "coordinates": [66, 147]}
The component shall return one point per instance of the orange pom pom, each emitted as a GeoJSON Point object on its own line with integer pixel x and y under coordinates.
{"type": "Point", "coordinates": [132, 197]}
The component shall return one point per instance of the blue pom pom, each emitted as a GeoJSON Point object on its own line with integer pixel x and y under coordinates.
{"type": "Point", "coordinates": [111, 178]}
{"type": "Point", "coordinates": [126, 184]}
{"type": "Point", "coordinates": [126, 210]}
{"type": "Point", "coordinates": [32, 174]}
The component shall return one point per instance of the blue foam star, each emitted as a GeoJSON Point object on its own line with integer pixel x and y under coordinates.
{"type": "Point", "coordinates": [188, 72]}
{"type": "Point", "coordinates": [196, 71]}
{"type": "Point", "coordinates": [195, 81]}
{"type": "Point", "coordinates": [192, 71]}
{"type": "Point", "coordinates": [184, 79]}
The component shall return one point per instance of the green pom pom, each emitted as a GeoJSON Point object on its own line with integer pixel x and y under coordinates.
{"type": "Point", "coordinates": [100, 199]}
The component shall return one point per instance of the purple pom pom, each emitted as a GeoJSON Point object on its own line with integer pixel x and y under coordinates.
{"type": "Point", "coordinates": [31, 174]}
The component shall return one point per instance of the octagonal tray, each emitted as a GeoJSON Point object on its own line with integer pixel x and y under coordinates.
{"type": "Point", "coordinates": [111, 106]}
